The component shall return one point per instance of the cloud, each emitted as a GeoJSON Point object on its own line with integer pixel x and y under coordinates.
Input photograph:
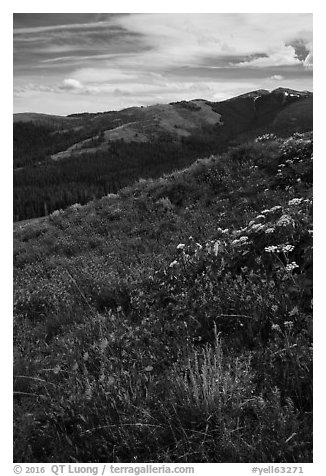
{"type": "Point", "coordinates": [71, 84]}
{"type": "Point", "coordinates": [160, 41]}
{"type": "Point", "coordinates": [68, 85]}
{"type": "Point", "coordinates": [184, 38]}
{"type": "Point", "coordinates": [104, 75]}
{"type": "Point", "coordinates": [284, 56]}
{"type": "Point", "coordinates": [60, 28]}
{"type": "Point", "coordinates": [74, 86]}
{"type": "Point", "coordinates": [277, 77]}
{"type": "Point", "coordinates": [30, 88]}
{"type": "Point", "coordinates": [136, 59]}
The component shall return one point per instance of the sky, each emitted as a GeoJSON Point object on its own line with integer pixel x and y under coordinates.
{"type": "Point", "coordinates": [87, 62]}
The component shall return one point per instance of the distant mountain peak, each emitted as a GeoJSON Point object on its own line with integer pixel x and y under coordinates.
{"type": "Point", "coordinates": [251, 94]}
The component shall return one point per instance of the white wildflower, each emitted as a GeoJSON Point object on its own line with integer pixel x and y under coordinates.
{"type": "Point", "coordinates": [287, 249]}
{"type": "Point", "coordinates": [257, 226]}
{"type": "Point", "coordinates": [274, 209]}
{"type": "Point", "coordinates": [181, 246]}
{"type": "Point", "coordinates": [291, 266]}
{"type": "Point", "coordinates": [265, 137]}
{"type": "Point", "coordinates": [270, 230]}
{"type": "Point", "coordinates": [174, 263]}
{"type": "Point", "coordinates": [295, 201]}
{"type": "Point", "coordinates": [271, 249]}
{"type": "Point", "coordinates": [284, 220]}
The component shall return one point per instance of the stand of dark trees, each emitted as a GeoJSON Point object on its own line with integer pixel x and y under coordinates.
{"type": "Point", "coordinates": [41, 189]}
{"type": "Point", "coordinates": [35, 143]}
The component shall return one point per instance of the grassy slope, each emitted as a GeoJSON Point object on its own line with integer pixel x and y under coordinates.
{"type": "Point", "coordinates": [145, 124]}
{"type": "Point", "coordinates": [131, 348]}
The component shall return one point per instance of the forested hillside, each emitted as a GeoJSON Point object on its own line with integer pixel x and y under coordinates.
{"type": "Point", "coordinates": [55, 185]}
{"type": "Point", "coordinates": [61, 161]}
{"type": "Point", "coordinates": [172, 321]}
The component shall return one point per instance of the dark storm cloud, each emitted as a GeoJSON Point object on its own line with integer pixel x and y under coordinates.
{"type": "Point", "coordinates": [301, 50]}
{"type": "Point", "coordinates": [35, 20]}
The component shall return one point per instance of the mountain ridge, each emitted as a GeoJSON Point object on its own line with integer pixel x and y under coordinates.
{"type": "Point", "coordinates": [74, 159]}
{"type": "Point", "coordinates": [24, 115]}
{"type": "Point", "coordinates": [173, 121]}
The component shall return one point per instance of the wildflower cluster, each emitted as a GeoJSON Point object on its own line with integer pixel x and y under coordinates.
{"type": "Point", "coordinates": [295, 165]}
{"type": "Point", "coordinates": [295, 201]}
{"type": "Point", "coordinates": [285, 248]}
{"type": "Point", "coordinates": [285, 220]}
{"type": "Point", "coordinates": [240, 241]}
{"type": "Point", "coordinates": [274, 209]}
{"type": "Point", "coordinates": [291, 266]}
{"type": "Point", "coordinates": [266, 137]}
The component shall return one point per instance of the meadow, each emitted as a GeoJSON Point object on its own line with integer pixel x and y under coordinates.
{"type": "Point", "coordinates": [172, 321]}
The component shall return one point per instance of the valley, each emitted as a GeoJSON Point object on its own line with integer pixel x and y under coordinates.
{"type": "Point", "coordinates": [59, 161]}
